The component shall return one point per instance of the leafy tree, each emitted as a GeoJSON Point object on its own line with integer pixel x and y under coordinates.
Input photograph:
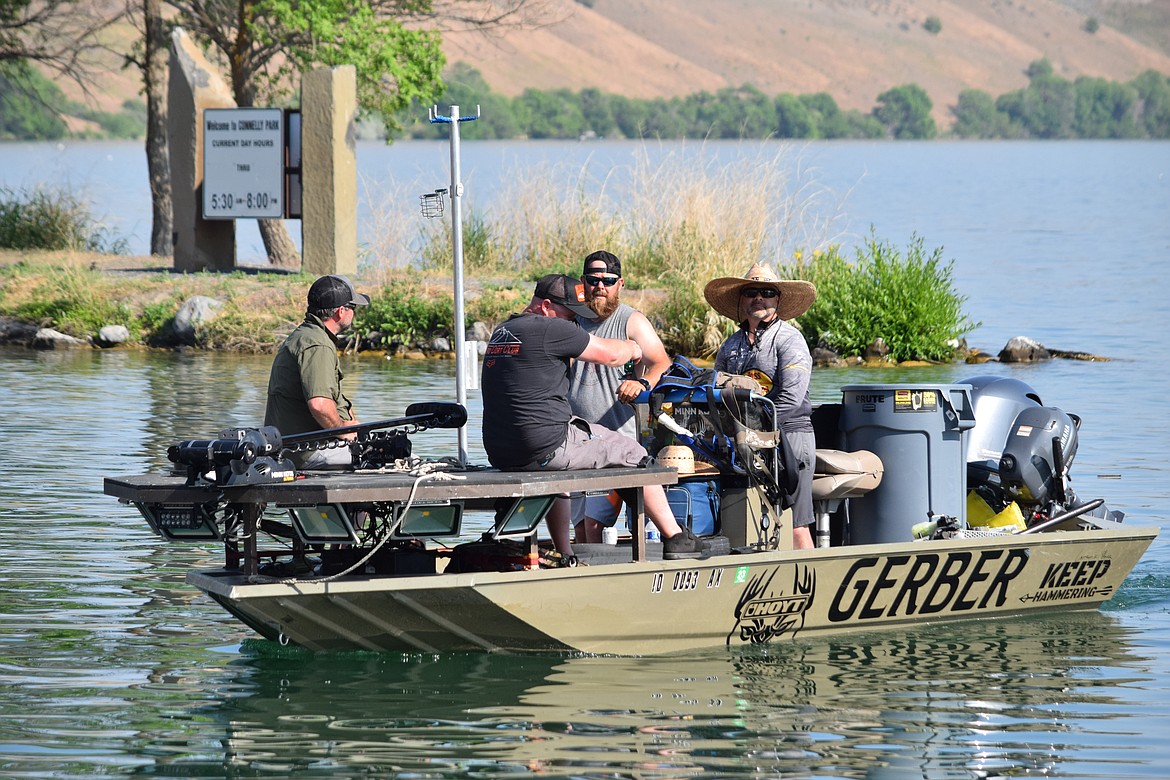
{"type": "Point", "coordinates": [1153, 90]}
{"type": "Point", "coordinates": [27, 113]}
{"type": "Point", "coordinates": [976, 116]}
{"type": "Point", "coordinates": [263, 45]}
{"type": "Point", "coordinates": [1046, 108]}
{"type": "Point", "coordinates": [597, 109]}
{"type": "Point", "coordinates": [932, 25]}
{"type": "Point", "coordinates": [905, 112]}
{"type": "Point", "coordinates": [1105, 109]}
{"type": "Point", "coordinates": [466, 88]}
{"type": "Point", "coordinates": [753, 110]}
{"type": "Point", "coordinates": [793, 118]}
{"type": "Point", "coordinates": [826, 115]}
{"type": "Point", "coordinates": [555, 114]}
{"type": "Point", "coordinates": [631, 115]}
{"type": "Point", "coordinates": [859, 125]}
{"type": "Point", "coordinates": [664, 119]}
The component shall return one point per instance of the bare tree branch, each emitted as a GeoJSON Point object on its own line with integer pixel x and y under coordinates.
{"type": "Point", "coordinates": [61, 35]}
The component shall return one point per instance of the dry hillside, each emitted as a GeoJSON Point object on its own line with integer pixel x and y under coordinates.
{"type": "Point", "coordinates": [852, 49]}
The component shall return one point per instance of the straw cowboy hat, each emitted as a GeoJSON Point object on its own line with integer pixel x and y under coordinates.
{"type": "Point", "coordinates": [795, 295]}
{"type": "Point", "coordinates": [682, 460]}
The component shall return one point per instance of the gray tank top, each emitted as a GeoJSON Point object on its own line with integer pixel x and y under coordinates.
{"type": "Point", "coordinates": [593, 388]}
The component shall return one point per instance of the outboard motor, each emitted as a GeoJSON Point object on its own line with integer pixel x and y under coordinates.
{"type": "Point", "coordinates": [1037, 456]}
{"type": "Point", "coordinates": [996, 401]}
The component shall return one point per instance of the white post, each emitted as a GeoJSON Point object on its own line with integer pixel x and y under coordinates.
{"type": "Point", "coordinates": [461, 381]}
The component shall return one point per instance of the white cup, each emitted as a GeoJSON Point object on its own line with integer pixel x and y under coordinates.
{"type": "Point", "coordinates": [609, 535]}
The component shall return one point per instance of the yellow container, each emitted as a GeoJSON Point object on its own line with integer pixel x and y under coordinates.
{"type": "Point", "coordinates": [981, 515]}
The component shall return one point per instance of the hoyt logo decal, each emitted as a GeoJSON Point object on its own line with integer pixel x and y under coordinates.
{"type": "Point", "coordinates": [765, 612]}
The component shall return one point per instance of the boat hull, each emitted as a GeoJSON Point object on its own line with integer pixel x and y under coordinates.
{"type": "Point", "coordinates": [654, 607]}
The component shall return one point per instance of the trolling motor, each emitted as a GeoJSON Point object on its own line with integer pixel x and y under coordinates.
{"type": "Point", "coordinates": [251, 456]}
{"type": "Point", "coordinates": [240, 456]}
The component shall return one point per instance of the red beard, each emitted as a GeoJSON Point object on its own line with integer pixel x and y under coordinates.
{"type": "Point", "coordinates": [603, 307]}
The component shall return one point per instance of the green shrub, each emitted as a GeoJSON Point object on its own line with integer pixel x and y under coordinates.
{"type": "Point", "coordinates": [402, 312]}
{"type": "Point", "coordinates": [52, 219]}
{"type": "Point", "coordinates": [76, 302]}
{"type": "Point", "coordinates": [932, 25]}
{"type": "Point", "coordinates": [1092, 25]}
{"type": "Point", "coordinates": [910, 302]}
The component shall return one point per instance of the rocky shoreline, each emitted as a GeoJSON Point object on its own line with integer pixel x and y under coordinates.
{"type": "Point", "coordinates": [14, 332]}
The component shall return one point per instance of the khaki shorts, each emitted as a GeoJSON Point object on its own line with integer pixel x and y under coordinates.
{"type": "Point", "coordinates": [593, 446]}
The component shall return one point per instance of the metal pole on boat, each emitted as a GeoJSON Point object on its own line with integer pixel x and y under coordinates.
{"type": "Point", "coordinates": [456, 192]}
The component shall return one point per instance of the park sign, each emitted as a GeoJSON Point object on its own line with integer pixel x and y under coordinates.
{"type": "Point", "coordinates": [243, 163]}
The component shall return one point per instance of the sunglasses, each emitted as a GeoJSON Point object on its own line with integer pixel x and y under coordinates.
{"type": "Point", "coordinates": [350, 306]}
{"type": "Point", "coordinates": [763, 292]}
{"type": "Point", "coordinates": [608, 281]}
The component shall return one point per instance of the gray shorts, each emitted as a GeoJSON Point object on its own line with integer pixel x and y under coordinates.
{"type": "Point", "coordinates": [804, 447]}
{"type": "Point", "coordinates": [592, 446]}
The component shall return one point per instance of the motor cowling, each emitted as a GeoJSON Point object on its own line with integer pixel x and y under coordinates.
{"type": "Point", "coordinates": [1037, 456]}
{"type": "Point", "coordinates": [996, 402]}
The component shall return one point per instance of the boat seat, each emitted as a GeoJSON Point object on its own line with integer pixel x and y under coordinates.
{"type": "Point", "coordinates": [838, 476]}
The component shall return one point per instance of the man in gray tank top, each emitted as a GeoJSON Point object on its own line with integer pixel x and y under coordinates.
{"type": "Point", "coordinates": [605, 395]}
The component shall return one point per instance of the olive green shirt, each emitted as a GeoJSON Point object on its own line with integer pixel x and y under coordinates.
{"type": "Point", "coordinates": [306, 366]}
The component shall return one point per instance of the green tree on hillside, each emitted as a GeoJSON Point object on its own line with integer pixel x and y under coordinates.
{"type": "Point", "coordinates": [1046, 108]}
{"type": "Point", "coordinates": [1105, 109]}
{"type": "Point", "coordinates": [58, 35]}
{"type": "Point", "coordinates": [793, 118]}
{"type": "Point", "coordinates": [1153, 90]}
{"type": "Point", "coordinates": [905, 112]}
{"type": "Point", "coordinates": [976, 116]}
{"type": "Point", "coordinates": [27, 111]}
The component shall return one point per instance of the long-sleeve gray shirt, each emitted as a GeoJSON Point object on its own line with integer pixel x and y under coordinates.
{"type": "Point", "coordinates": [782, 355]}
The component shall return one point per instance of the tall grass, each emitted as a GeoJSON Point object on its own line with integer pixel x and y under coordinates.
{"type": "Point", "coordinates": [53, 220]}
{"type": "Point", "coordinates": [676, 218]}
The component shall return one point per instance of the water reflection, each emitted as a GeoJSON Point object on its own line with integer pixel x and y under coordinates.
{"type": "Point", "coordinates": [1026, 697]}
{"type": "Point", "coordinates": [112, 665]}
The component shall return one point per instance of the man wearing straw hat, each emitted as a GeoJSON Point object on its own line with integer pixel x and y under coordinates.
{"type": "Point", "coordinates": [767, 348]}
{"type": "Point", "coordinates": [527, 422]}
{"type": "Point", "coordinates": [605, 394]}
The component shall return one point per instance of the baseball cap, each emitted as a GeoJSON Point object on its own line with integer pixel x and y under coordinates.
{"type": "Point", "coordinates": [330, 292]}
{"type": "Point", "coordinates": [612, 264]}
{"type": "Point", "coordinates": [566, 291]}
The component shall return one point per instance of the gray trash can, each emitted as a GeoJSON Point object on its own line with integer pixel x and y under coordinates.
{"type": "Point", "coordinates": [918, 432]}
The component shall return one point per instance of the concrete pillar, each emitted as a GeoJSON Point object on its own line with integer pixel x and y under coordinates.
{"type": "Point", "coordinates": [329, 171]}
{"type": "Point", "coordinates": [194, 84]}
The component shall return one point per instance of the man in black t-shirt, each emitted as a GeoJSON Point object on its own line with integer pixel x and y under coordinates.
{"type": "Point", "coordinates": [527, 423]}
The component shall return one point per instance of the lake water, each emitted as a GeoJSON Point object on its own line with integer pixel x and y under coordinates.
{"type": "Point", "coordinates": [111, 666]}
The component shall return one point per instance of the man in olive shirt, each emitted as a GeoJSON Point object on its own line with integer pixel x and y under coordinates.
{"type": "Point", "coordinates": [304, 388]}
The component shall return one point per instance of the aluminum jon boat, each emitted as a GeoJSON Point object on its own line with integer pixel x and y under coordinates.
{"type": "Point", "coordinates": [933, 503]}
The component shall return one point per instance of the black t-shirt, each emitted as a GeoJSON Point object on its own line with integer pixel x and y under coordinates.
{"type": "Point", "coordinates": [525, 383]}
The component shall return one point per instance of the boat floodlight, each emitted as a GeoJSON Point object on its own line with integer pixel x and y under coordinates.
{"type": "Point", "coordinates": [520, 518]}
{"type": "Point", "coordinates": [430, 520]}
{"type": "Point", "coordinates": [323, 524]}
{"type": "Point", "coordinates": [180, 522]}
